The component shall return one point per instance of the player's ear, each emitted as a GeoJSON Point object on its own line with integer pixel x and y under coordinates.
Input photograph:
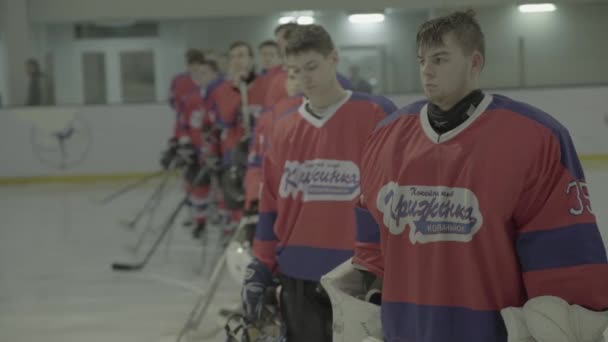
{"type": "Point", "coordinates": [477, 62]}
{"type": "Point", "coordinates": [333, 57]}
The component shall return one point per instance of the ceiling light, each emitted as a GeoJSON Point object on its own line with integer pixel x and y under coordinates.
{"type": "Point", "coordinates": [305, 20]}
{"type": "Point", "coordinates": [536, 8]}
{"type": "Point", "coordinates": [286, 20]}
{"type": "Point", "coordinates": [366, 18]}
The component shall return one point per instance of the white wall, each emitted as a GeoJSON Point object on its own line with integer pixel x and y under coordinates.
{"type": "Point", "coordinates": [125, 138]}
{"type": "Point", "coordinates": [3, 76]}
{"type": "Point", "coordinates": [129, 138]}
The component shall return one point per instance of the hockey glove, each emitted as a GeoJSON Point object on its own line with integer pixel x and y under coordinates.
{"type": "Point", "coordinates": [168, 155]}
{"type": "Point", "coordinates": [253, 295]}
{"type": "Point", "coordinates": [551, 319]}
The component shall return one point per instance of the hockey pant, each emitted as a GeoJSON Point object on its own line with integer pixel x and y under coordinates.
{"type": "Point", "coordinates": [306, 310]}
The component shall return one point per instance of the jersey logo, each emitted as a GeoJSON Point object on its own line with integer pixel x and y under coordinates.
{"type": "Point", "coordinates": [433, 213]}
{"type": "Point", "coordinates": [320, 180]}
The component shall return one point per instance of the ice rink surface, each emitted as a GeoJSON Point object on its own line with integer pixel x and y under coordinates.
{"type": "Point", "coordinates": [56, 248]}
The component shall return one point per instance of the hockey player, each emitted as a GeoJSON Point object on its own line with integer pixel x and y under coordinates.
{"type": "Point", "coordinates": [311, 176]}
{"type": "Point", "coordinates": [182, 86]}
{"type": "Point", "coordinates": [225, 99]}
{"type": "Point", "coordinates": [226, 109]}
{"type": "Point", "coordinates": [479, 203]}
{"type": "Point", "coordinates": [199, 150]}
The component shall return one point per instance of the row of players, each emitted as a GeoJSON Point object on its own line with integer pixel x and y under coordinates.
{"type": "Point", "coordinates": [459, 206]}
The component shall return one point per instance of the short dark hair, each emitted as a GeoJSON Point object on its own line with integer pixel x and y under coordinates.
{"type": "Point", "coordinates": [287, 28]}
{"type": "Point", "coordinates": [212, 65]}
{"type": "Point", "coordinates": [268, 43]}
{"type": "Point", "coordinates": [240, 43]}
{"type": "Point", "coordinates": [194, 56]}
{"type": "Point", "coordinates": [309, 38]}
{"type": "Point", "coordinates": [462, 24]}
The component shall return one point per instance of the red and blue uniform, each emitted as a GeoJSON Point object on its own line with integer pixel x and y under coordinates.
{"type": "Point", "coordinates": [482, 217]}
{"type": "Point", "coordinates": [310, 180]}
{"type": "Point", "coordinates": [182, 86]}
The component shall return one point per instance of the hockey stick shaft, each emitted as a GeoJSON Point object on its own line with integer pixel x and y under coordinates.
{"type": "Point", "coordinates": [243, 88]}
{"type": "Point", "coordinates": [203, 302]}
{"type": "Point", "coordinates": [202, 305]}
{"type": "Point", "coordinates": [130, 187]}
{"type": "Point", "coordinates": [152, 202]}
{"type": "Point", "coordinates": [161, 236]}
{"type": "Point", "coordinates": [159, 239]}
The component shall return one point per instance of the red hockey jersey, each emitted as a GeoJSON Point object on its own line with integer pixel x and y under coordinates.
{"type": "Point", "coordinates": [480, 218]}
{"type": "Point", "coordinates": [224, 102]}
{"type": "Point", "coordinates": [182, 86]}
{"type": "Point", "coordinates": [310, 180]}
{"type": "Point", "coordinates": [257, 148]}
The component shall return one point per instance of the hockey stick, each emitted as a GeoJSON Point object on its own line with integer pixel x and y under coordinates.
{"type": "Point", "coordinates": [243, 89]}
{"type": "Point", "coordinates": [142, 237]}
{"type": "Point", "coordinates": [129, 187]}
{"type": "Point", "coordinates": [150, 204]}
{"type": "Point", "coordinates": [168, 225]}
{"type": "Point", "coordinates": [202, 305]}
{"type": "Point", "coordinates": [205, 299]}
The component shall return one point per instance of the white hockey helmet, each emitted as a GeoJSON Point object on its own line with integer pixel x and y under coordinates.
{"type": "Point", "coordinates": [238, 256]}
{"type": "Point", "coordinates": [355, 319]}
{"type": "Point", "coordinates": [238, 252]}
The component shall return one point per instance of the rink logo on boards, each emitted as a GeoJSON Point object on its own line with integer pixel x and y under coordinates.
{"type": "Point", "coordinates": [433, 213]}
{"type": "Point", "coordinates": [320, 180]}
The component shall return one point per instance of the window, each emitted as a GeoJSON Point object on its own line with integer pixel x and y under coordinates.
{"type": "Point", "coordinates": [94, 78]}
{"type": "Point", "coordinates": [137, 76]}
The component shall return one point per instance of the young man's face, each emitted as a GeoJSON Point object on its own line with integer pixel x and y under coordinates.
{"type": "Point", "coordinates": [193, 69]}
{"type": "Point", "coordinates": [447, 73]}
{"type": "Point", "coordinates": [314, 72]}
{"type": "Point", "coordinates": [239, 60]}
{"type": "Point", "coordinates": [203, 74]}
{"type": "Point", "coordinates": [269, 56]}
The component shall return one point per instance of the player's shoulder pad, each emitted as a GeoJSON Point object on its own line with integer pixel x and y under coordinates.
{"type": "Point", "coordinates": [287, 106]}
{"type": "Point", "coordinates": [569, 157]}
{"type": "Point", "coordinates": [386, 104]}
{"type": "Point", "coordinates": [344, 81]}
{"type": "Point", "coordinates": [501, 102]}
{"type": "Point", "coordinates": [411, 109]}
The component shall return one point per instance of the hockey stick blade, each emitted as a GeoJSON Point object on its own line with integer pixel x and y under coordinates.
{"type": "Point", "coordinates": [159, 239]}
{"type": "Point", "coordinates": [126, 267]}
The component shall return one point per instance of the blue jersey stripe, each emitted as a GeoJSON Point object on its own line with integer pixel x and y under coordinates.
{"type": "Point", "coordinates": [573, 245]}
{"type": "Point", "coordinates": [367, 228]}
{"type": "Point", "coordinates": [309, 263]}
{"type": "Point", "coordinates": [256, 161]}
{"type": "Point", "coordinates": [265, 228]}
{"type": "Point", "coordinates": [344, 81]}
{"type": "Point", "coordinates": [424, 323]}
{"type": "Point", "coordinates": [286, 113]}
